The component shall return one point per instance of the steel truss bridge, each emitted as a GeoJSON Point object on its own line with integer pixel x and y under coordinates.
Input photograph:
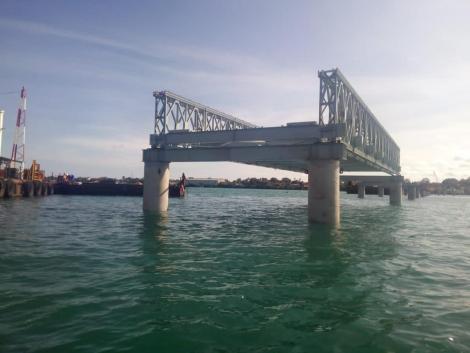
{"type": "Point", "coordinates": [173, 112]}
{"type": "Point", "coordinates": [189, 131]}
{"type": "Point", "coordinates": [347, 137]}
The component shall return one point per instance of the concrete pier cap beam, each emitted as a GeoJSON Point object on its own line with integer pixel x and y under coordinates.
{"type": "Point", "coordinates": [156, 183]}
{"type": "Point", "coordinates": [323, 191]}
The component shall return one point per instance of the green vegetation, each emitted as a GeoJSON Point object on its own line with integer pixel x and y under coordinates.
{"type": "Point", "coordinates": [449, 186]}
{"type": "Point", "coordinates": [264, 183]}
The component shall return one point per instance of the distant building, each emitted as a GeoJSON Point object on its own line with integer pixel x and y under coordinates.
{"type": "Point", "coordinates": [204, 181]}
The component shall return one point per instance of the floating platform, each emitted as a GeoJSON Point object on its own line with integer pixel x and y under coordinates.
{"type": "Point", "coordinates": [105, 189]}
{"type": "Point", "coordinates": [10, 188]}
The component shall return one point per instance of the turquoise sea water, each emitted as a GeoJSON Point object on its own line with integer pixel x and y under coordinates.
{"type": "Point", "coordinates": [234, 271]}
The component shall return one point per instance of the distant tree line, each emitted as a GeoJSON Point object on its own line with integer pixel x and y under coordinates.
{"type": "Point", "coordinates": [449, 186]}
{"type": "Point", "coordinates": [264, 183]}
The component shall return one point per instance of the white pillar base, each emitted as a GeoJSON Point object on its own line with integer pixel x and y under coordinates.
{"type": "Point", "coordinates": [323, 192]}
{"type": "Point", "coordinates": [380, 191]}
{"type": "Point", "coordinates": [156, 185]}
{"type": "Point", "coordinates": [395, 193]}
{"type": "Point", "coordinates": [361, 190]}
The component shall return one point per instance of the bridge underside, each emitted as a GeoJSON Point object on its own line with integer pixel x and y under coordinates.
{"type": "Point", "coordinates": [349, 162]}
{"type": "Point", "coordinates": [288, 148]}
{"type": "Point", "coordinates": [276, 157]}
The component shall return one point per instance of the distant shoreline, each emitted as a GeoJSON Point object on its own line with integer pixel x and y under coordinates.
{"type": "Point", "coordinates": [448, 186]}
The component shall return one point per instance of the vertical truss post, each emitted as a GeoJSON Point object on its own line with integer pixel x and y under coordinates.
{"type": "Point", "coordinates": [173, 112]}
{"type": "Point", "coordinates": [340, 104]}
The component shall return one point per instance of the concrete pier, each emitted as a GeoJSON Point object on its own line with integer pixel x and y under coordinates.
{"type": "Point", "coordinates": [393, 182]}
{"type": "Point", "coordinates": [411, 192]}
{"type": "Point", "coordinates": [156, 185]}
{"type": "Point", "coordinates": [361, 190]}
{"type": "Point", "coordinates": [396, 192]}
{"type": "Point", "coordinates": [323, 192]}
{"type": "Point", "coordinates": [380, 191]}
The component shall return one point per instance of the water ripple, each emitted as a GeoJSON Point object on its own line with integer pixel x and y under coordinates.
{"type": "Point", "coordinates": [234, 271]}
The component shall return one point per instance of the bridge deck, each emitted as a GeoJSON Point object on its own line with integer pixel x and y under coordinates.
{"type": "Point", "coordinates": [187, 131]}
{"type": "Point", "coordinates": [287, 148]}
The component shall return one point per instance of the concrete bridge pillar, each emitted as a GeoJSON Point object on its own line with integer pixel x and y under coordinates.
{"type": "Point", "coordinates": [380, 191]}
{"type": "Point", "coordinates": [323, 192]}
{"type": "Point", "coordinates": [396, 193]}
{"type": "Point", "coordinates": [411, 192]}
{"type": "Point", "coordinates": [156, 185]}
{"type": "Point", "coordinates": [361, 190]}
{"type": "Point", "coordinates": [418, 192]}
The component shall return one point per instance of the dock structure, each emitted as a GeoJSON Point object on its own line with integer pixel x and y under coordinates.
{"type": "Point", "coordinates": [346, 138]}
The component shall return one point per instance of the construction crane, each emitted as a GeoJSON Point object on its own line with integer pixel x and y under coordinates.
{"type": "Point", "coordinates": [15, 180]}
{"type": "Point", "coordinates": [17, 152]}
{"type": "Point", "coordinates": [1, 130]}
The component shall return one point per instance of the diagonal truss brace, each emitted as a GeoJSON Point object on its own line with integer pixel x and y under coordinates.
{"type": "Point", "coordinates": [340, 104]}
{"type": "Point", "coordinates": [176, 113]}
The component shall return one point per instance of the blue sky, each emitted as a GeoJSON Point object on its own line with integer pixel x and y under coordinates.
{"type": "Point", "coordinates": [90, 68]}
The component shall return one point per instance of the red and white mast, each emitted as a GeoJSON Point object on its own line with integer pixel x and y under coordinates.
{"type": "Point", "coordinates": [17, 153]}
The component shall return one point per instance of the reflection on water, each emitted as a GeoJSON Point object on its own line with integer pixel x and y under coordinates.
{"type": "Point", "coordinates": [154, 225]}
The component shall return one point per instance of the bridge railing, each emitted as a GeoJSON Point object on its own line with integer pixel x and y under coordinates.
{"type": "Point", "coordinates": [340, 104]}
{"type": "Point", "coordinates": [176, 113]}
